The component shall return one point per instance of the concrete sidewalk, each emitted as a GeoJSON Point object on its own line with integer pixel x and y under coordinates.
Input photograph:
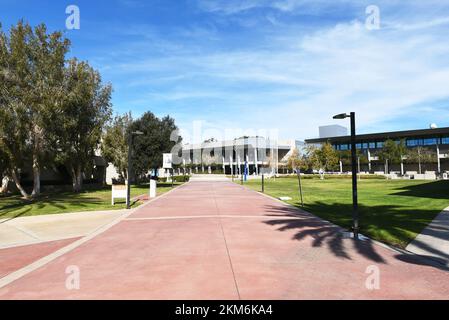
{"type": "Point", "coordinates": [218, 240]}
{"type": "Point", "coordinates": [37, 229]}
{"type": "Point", "coordinates": [208, 177]}
{"type": "Point", "coordinates": [433, 242]}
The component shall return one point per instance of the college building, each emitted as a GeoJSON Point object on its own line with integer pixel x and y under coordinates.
{"type": "Point", "coordinates": [262, 155]}
{"type": "Point", "coordinates": [434, 141]}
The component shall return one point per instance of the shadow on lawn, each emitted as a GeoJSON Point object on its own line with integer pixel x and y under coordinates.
{"type": "Point", "coordinates": [391, 219]}
{"type": "Point", "coordinates": [62, 202]}
{"type": "Point", "coordinates": [432, 190]}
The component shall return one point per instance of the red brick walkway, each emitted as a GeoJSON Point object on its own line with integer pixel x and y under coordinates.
{"type": "Point", "coordinates": [217, 240]}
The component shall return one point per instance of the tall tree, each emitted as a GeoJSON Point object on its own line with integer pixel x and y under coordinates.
{"type": "Point", "coordinates": [148, 148]}
{"type": "Point", "coordinates": [324, 157]}
{"type": "Point", "coordinates": [15, 85]}
{"type": "Point", "coordinates": [296, 161]}
{"type": "Point", "coordinates": [421, 156]}
{"type": "Point", "coordinates": [47, 54]}
{"type": "Point", "coordinates": [114, 147]}
{"type": "Point", "coordinates": [83, 113]}
{"type": "Point", "coordinates": [393, 151]}
{"type": "Point", "coordinates": [32, 64]}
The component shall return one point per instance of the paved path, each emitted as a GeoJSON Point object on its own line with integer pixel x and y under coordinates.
{"type": "Point", "coordinates": [38, 229]}
{"type": "Point", "coordinates": [433, 242]}
{"type": "Point", "coordinates": [218, 240]}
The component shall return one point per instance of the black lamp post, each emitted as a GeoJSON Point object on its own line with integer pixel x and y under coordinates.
{"type": "Point", "coordinates": [355, 214]}
{"type": "Point", "coordinates": [128, 187]}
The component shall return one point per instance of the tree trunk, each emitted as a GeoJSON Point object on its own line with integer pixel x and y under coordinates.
{"type": "Point", "coordinates": [37, 145]}
{"type": "Point", "coordinates": [18, 184]}
{"type": "Point", "coordinates": [77, 178]}
{"type": "Point", "coordinates": [5, 184]}
{"type": "Point", "coordinates": [36, 178]}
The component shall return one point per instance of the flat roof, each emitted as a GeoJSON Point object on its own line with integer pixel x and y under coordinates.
{"type": "Point", "coordinates": [422, 133]}
{"type": "Point", "coordinates": [250, 141]}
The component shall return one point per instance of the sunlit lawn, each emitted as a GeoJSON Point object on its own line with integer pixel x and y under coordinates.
{"type": "Point", "coordinates": [392, 211]}
{"type": "Point", "coordinates": [64, 202]}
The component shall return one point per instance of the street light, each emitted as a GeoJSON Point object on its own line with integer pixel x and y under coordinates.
{"type": "Point", "coordinates": [128, 187]}
{"type": "Point", "coordinates": [355, 215]}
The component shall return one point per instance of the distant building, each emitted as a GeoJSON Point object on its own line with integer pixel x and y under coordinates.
{"type": "Point", "coordinates": [333, 131]}
{"type": "Point", "coordinates": [262, 155]}
{"type": "Point", "coordinates": [434, 140]}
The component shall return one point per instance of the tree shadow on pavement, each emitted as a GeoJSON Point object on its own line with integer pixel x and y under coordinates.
{"type": "Point", "coordinates": [322, 232]}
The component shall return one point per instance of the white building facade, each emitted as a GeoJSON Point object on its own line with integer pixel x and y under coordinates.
{"type": "Point", "coordinates": [230, 157]}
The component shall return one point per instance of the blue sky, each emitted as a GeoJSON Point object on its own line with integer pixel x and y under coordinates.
{"type": "Point", "coordinates": [282, 64]}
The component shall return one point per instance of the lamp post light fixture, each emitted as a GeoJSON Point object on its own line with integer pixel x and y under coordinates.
{"type": "Point", "coordinates": [355, 214]}
{"type": "Point", "coordinates": [128, 186]}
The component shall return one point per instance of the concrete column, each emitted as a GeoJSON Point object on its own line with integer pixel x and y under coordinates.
{"type": "Point", "coordinates": [402, 166]}
{"type": "Point", "coordinates": [255, 161]}
{"type": "Point", "coordinates": [369, 161]}
{"type": "Point", "coordinates": [238, 163]}
{"type": "Point", "coordinates": [341, 167]}
{"type": "Point", "coordinates": [438, 159]}
{"type": "Point", "coordinates": [231, 165]}
{"type": "Point", "coordinates": [224, 167]}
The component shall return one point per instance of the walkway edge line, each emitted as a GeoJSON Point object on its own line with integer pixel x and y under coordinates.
{"type": "Point", "coordinates": [16, 275]}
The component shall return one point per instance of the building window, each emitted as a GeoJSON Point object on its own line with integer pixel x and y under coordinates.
{"type": "Point", "coordinates": [358, 146]}
{"type": "Point", "coordinates": [413, 143]}
{"type": "Point", "coordinates": [372, 145]}
{"type": "Point", "coordinates": [379, 145]}
{"type": "Point", "coordinates": [430, 142]}
{"type": "Point", "coordinates": [445, 140]}
{"type": "Point", "coordinates": [344, 147]}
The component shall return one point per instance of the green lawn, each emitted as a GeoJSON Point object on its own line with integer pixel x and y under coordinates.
{"type": "Point", "coordinates": [64, 202]}
{"type": "Point", "coordinates": [392, 211]}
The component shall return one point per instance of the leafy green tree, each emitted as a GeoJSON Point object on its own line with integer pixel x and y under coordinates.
{"type": "Point", "coordinates": [84, 111]}
{"type": "Point", "coordinates": [156, 140]}
{"type": "Point", "coordinates": [47, 74]}
{"type": "Point", "coordinates": [324, 157]}
{"type": "Point", "coordinates": [420, 156]}
{"type": "Point", "coordinates": [32, 64]}
{"type": "Point", "coordinates": [114, 147]}
{"type": "Point", "coordinates": [296, 161]}
{"type": "Point", "coordinates": [346, 157]}
{"type": "Point", "coordinates": [393, 151]}
{"type": "Point", "coordinates": [15, 79]}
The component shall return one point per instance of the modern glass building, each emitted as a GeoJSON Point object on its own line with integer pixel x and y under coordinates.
{"type": "Point", "coordinates": [435, 141]}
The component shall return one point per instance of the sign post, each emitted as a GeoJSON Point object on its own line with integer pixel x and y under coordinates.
{"type": "Point", "coordinates": [168, 164]}
{"type": "Point", "coordinates": [153, 188]}
{"type": "Point", "coordinates": [119, 192]}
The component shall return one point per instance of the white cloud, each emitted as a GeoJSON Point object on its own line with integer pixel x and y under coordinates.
{"type": "Point", "coordinates": [296, 80]}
